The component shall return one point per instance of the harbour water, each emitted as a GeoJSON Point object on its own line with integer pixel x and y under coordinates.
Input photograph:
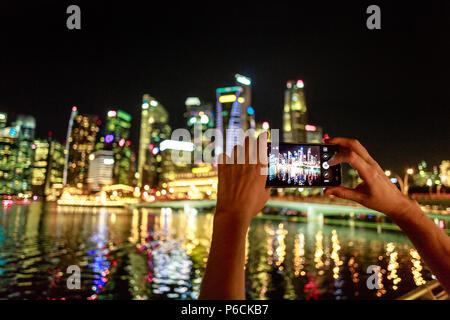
{"type": "Point", "coordinates": [162, 254]}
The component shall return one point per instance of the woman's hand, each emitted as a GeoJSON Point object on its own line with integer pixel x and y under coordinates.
{"type": "Point", "coordinates": [377, 191]}
{"type": "Point", "coordinates": [241, 194]}
{"type": "Point", "coordinates": [242, 191]}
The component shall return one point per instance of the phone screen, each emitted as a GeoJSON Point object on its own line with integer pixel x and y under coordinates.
{"type": "Point", "coordinates": [294, 165]}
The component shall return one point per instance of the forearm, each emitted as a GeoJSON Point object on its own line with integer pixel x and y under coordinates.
{"type": "Point", "coordinates": [225, 276]}
{"type": "Point", "coordinates": [430, 241]}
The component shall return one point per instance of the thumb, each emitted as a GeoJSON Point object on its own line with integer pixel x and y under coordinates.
{"type": "Point", "coordinates": [344, 193]}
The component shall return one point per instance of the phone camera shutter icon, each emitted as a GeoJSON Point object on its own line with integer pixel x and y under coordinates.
{"type": "Point", "coordinates": [325, 165]}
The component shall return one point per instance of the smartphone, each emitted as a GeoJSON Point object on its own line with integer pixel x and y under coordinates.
{"type": "Point", "coordinates": [293, 165]}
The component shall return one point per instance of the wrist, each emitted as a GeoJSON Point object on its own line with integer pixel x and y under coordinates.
{"type": "Point", "coordinates": [234, 220]}
{"type": "Point", "coordinates": [408, 210]}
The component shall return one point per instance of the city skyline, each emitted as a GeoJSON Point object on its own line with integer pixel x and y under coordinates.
{"type": "Point", "coordinates": [386, 91]}
{"type": "Point", "coordinates": [113, 117]}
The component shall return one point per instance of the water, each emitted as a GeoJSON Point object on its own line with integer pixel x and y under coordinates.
{"type": "Point", "coordinates": [148, 254]}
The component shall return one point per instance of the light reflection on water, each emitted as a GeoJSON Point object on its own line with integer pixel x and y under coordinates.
{"type": "Point", "coordinates": [153, 254]}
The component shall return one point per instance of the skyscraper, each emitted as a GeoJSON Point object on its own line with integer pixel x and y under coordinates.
{"type": "Point", "coordinates": [81, 144]}
{"type": "Point", "coordinates": [198, 113]}
{"type": "Point", "coordinates": [55, 165]}
{"type": "Point", "coordinates": [234, 111]}
{"type": "Point", "coordinates": [117, 139]}
{"type": "Point", "coordinates": [8, 154]}
{"type": "Point", "coordinates": [48, 165]}
{"type": "Point", "coordinates": [26, 125]}
{"type": "Point", "coordinates": [101, 165]}
{"type": "Point", "coordinates": [199, 117]}
{"type": "Point", "coordinates": [154, 129]}
{"type": "Point", "coordinates": [295, 113]}
{"type": "Point", "coordinates": [16, 155]}
{"type": "Point", "coordinates": [40, 167]}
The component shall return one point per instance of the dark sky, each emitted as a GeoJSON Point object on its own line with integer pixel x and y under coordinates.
{"type": "Point", "coordinates": [389, 88]}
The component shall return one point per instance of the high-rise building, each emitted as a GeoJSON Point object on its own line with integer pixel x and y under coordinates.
{"type": "Point", "coordinates": [234, 112]}
{"type": "Point", "coordinates": [171, 168]}
{"type": "Point", "coordinates": [81, 145]}
{"type": "Point", "coordinates": [56, 166]}
{"type": "Point", "coordinates": [48, 165]}
{"type": "Point", "coordinates": [198, 113]}
{"type": "Point", "coordinates": [16, 155]}
{"type": "Point", "coordinates": [199, 117]}
{"type": "Point", "coordinates": [117, 139]}
{"type": "Point", "coordinates": [295, 113]}
{"type": "Point", "coordinates": [154, 129]}
{"type": "Point", "coordinates": [101, 165]}
{"type": "Point", "coordinates": [40, 167]}
{"type": "Point", "coordinates": [8, 154]}
{"type": "Point", "coordinates": [25, 153]}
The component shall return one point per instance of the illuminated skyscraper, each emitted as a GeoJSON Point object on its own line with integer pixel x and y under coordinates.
{"type": "Point", "coordinates": [295, 113]}
{"type": "Point", "coordinates": [56, 166]}
{"type": "Point", "coordinates": [234, 111]}
{"type": "Point", "coordinates": [81, 145]}
{"type": "Point", "coordinates": [200, 117]}
{"type": "Point", "coordinates": [48, 165]}
{"type": "Point", "coordinates": [101, 165]}
{"type": "Point", "coordinates": [117, 139]}
{"type": "Point", "coordinates": [16, 155]}
{"type": "Point", "coordinates": [198, 113]}
{"type": "Point", "coordinates": [171, 168]}
{"type": "Point", "coordinates": [8, 154]}
{"type": "Point", "coordinates": [40, 168]}
{"type": "Point", "coordinates": [154, 129]}
{"type": "Point", "coordinates": [25, 153]}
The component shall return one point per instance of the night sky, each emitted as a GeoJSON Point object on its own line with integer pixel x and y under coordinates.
{"type": "Point", "coordinates": [389, 88]}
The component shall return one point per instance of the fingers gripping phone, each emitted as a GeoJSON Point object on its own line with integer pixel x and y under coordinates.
{"type": "Point", "coordinates": [293, 165]}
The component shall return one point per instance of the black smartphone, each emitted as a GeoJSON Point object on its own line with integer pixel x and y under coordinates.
{"type": "Point", "coordinates": [294, 165]}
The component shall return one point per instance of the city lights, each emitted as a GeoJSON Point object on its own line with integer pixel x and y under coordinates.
{"type": "Point", "coordinates": [108, 161]}
{"type": "Point", "coordinates": [192, 101]}
{"type": "Point", "coordinates": [145, 105]}
{"type": "Point", "coordinates": [243, 80]}
{"type": "Point", "coordinates": [177, 145]}
{"type": "Point", "coordinates": [310, 127]}
{"type": "Point", "coordinates": [228, 89]}
{"type": "Point", "coordinates": [410, 171]}
{"type": "Point", "coordinates": [227, 98]}
{"type": "Point", "coordinates": [112, 113]}
{"type": "Point", "coordinates": [204, 119]}
{"type": "Point", "coordinates": [109, 138]}
{"type": "Point", "coordinates": [387, 173]}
